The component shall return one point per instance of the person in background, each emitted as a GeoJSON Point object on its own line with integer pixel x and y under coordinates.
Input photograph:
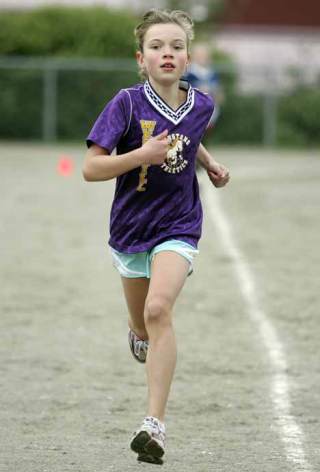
{"type": "Point", "coordinates": [201, 75]}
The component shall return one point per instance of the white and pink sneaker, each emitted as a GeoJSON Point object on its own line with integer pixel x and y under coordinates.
{"type": "Point", "coordinates": [138, 347]}
{"type": "Point", "coordinates": [148, 441]}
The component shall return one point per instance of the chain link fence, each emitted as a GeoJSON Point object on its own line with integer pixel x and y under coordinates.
{"type": "Point", "coordinates": [59, 99]}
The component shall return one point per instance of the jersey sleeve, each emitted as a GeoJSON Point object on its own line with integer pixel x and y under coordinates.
{"type": "Point", "coordinates": [112, 123]}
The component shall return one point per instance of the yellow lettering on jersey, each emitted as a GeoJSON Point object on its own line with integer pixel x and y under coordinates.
{"type": "Point", "coordinates": [147, 130]}
{"type": "Point", "coordinates": [143, 178]}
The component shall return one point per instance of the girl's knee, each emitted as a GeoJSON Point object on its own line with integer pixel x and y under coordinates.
{"type": "Point", "coordinates": [157, 310]}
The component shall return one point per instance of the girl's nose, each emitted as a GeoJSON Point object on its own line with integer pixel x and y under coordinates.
{"type": "Point", "coordinates": [167, 52]}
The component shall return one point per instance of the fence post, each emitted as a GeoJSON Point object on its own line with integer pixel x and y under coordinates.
{"type": "Point", "coordinates": [49, 110]}
{"type": "Point", "coordinates": [270, 119]}
{"type": "Point", "coordinates": [270, 103]}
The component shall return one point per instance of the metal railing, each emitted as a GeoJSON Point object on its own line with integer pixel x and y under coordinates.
{"type": "Point", "coordinates": [50, 68]}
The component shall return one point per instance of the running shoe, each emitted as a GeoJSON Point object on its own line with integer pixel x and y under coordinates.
{"type": "Point", "coordinates": [138, 347]}
{"type": "Point", "coordinates": [148, 441]}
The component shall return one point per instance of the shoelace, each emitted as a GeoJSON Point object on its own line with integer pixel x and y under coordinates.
{"type": "Point", "coordinates": [157, 428]}
{"type": "Point", "coordinates": [140, 346]}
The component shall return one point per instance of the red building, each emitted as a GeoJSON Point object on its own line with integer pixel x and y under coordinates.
{"type": "Point", "coordinates": [273, 13]}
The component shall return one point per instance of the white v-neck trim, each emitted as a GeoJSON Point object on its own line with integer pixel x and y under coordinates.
{"type": "Point", "coordinates": [175, 116]}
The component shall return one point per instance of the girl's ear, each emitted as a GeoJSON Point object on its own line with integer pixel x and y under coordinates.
{"type": "Point", "coordinates": [139, 57]}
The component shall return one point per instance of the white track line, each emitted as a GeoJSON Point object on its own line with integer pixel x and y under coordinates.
{"type": "Point", "coordinates": [290, 432]}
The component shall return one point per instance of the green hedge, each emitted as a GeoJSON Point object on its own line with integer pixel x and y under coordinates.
{"type": "Point", "coordinates": [20, 104]}
{"type": "Point", "coordinates": [298, 117]}
{"type": "Point", "coordinates": [240, 120]}
{"type": "Point", "coordinates": [61, 31]}
{"type": "Point", "coordinates": [75, 116]}
{"type": "Point", "coordinates": [82, 95]}
{"type": "Point", "coordinates": [99, 32]}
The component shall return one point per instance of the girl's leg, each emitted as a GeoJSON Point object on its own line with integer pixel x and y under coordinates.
{"type": "Point", "coordinates": [135, 291]}
{"type": "Point", "coordinates": [168, 274]}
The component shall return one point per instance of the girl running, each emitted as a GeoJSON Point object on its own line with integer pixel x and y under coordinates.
{"type": "Point", "coordinates": [156, 215]}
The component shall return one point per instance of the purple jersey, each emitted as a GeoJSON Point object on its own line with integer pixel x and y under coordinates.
{"type": "Point", "coordinates": [159, 202]}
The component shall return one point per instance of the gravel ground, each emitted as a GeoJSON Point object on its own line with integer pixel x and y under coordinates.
{"type": "Point", "coordinates": [71, 394]}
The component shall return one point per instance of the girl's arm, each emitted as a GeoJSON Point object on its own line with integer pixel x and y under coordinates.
{"type": "Point", "coordinates": [217, 173]}
{"type": "Point", "coordinates": [99, 165]}
{"type": "Point", "coordinates": [204, 157]}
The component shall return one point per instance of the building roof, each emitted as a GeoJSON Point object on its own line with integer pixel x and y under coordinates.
{"type": "Point", "coordinates": [274, 13]}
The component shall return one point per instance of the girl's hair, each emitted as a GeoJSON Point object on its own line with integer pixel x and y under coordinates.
{"type": "Point", "coordinates": [155, 17]}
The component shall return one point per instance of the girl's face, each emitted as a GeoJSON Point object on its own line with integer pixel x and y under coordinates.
{"type": "Point", "coordinates": [165, 55]}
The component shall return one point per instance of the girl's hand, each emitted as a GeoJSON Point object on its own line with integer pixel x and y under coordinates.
{"type": "Point", "coordinates": [154, 151]}
{"type": "Point", "coordinates": [218, 174]}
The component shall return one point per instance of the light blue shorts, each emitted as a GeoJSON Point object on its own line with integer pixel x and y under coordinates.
{"type": "Point", "coordinates": [139, 264]}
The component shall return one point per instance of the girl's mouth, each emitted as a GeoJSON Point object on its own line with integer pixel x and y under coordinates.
{"type": "Point", "coordinates": [167, 66]}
